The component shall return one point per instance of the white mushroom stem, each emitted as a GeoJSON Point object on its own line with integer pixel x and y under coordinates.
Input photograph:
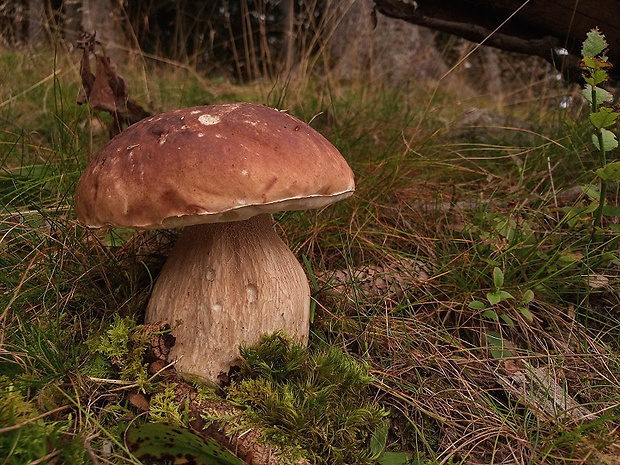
{"type": "Point", "coordinates": [227, 284]}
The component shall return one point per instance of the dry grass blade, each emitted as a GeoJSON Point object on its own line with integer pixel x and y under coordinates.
{"type": "Point", "coordinates": [33, 419]}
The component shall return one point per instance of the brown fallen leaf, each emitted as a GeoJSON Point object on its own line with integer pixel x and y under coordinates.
{"type": "Point", "coordinates": [511, 367]}
{"type": "Point", "coordinates": [139, 400]}
{"type": "Point", "coordinates": [107, 90]}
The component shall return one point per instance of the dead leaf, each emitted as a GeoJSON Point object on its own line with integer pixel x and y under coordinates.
{"type": "Point", "coordinates": [511, 367]}
{"type": "Point", "coordinates": [107, 90]}
{"type": "Point", "coordinates": [139, 401]}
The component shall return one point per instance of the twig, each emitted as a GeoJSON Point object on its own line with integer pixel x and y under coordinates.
{"type": "Point", "coordinates": [109, 381]}
{"type": "Point", "coordinates": [33, 419]}
{"type": "Point", "coordinates": [45, 458]}
{"type": "Point", "coordinates": [130, 384]}
{"type": "Point", "coordinates": [91, 452]}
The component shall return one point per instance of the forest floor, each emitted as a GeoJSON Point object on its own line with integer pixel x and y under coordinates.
{"type": "Point", "coordinates": [461, 291]}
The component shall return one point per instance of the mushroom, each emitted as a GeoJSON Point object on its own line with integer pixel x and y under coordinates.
{"type": "Point", "coordinates": [218, 172]}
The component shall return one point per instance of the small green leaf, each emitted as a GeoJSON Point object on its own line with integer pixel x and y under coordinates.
{"type": "Point", "coordinates": [399, 458]}
{"type": "Point", "coordinates": [504, 295]}
{"type": "Point", "coordinates": [597, 76]}
{"type": "Point", "coordinates": [611, 211]}
{"type": "Point", "coordinates": [527, 314]}
{"type": "Point", "coordinates": [498, 296]}
{"type": "Point", "coordinates": [162, 443]}
{"type": "Point", "coordinates": [591, 63]}
{"type": "Point", "coordinates": [609, 172]}
{"type": "Point", "coordinates": [603, 118]}
{"type": "Point", "coordinates": [496, 345]}
{"type": "Point", "coordinates": [609, 140]}
{"type": "Point", "coordinates": [379, 439]}
{"type": "Point", "coordinates": [499, 353]}
{"type": "Point", "coordinates": [495, 339]}
{"type": "Point", "coordinates": [528, 296]}
{"type": "Point", "coordinates": [594, 44]}
{"type": "Point", "coordinates": [602, 96]}
{"type": "Point", "coordinates": [568, 256]}
{"type": "Point", "coordinates": [493, 297]}
{"type": "Point", "coordinates": [490, 314]}
{"type": "Point", "coordinates": [477, 305]}
{"type": "Point", "coordinates": [591, 208]}
{"type": "Point", "coordinates": [591, 191]}
{"type": "Point", "coordinates": [506, 319]}
{"type": "Point", "coordinates": [498, 278]}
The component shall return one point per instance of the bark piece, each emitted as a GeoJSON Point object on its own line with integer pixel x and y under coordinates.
{"type": "Point", "coordinates": [536, 389]}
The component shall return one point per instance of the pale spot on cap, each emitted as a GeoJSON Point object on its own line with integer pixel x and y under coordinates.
{"type": "Point", "coordinates": [209, 120]}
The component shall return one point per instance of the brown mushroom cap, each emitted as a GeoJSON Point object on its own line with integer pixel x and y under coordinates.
{"type": "Point", "coordinates": [210, 164]}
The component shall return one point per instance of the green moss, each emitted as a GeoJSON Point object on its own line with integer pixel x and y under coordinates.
{"type": "Point", "coordinates": [164, 407]}
{"type": "Point", "coordinates": [318, 401]}
{"type": "Point", "coordinates": [31, 440]}
{"type": "Point", "coordinates": [120, 347]}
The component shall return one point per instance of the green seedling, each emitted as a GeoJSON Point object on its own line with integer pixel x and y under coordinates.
{"type": "Point", "coordinates": [603, 116]}
{"type": "Point", "coordinates": [493, 310]}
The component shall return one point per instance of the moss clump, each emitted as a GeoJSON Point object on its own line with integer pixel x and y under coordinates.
{"type": "Point", "coordinates": [120, 347]}
{"type": "Point", "coordinates": [25, 440]}
{"type": "Point", "coordinates": [165, 407]}
{"type": "Point", "coordinates": [318, 401]}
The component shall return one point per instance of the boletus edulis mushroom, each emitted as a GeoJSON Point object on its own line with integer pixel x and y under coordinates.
{"type": "Point", "coordinates": [218, 172]}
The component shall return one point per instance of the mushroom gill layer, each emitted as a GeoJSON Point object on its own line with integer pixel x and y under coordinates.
{"type": "Point", "coordinates": [227, 284]}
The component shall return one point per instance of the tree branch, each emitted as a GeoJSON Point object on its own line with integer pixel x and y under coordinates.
{"type": "Point", "coordinates": [474, 27]}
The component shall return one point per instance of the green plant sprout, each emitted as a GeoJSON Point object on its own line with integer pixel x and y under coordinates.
{"type": "Point", "coordinates": [594, 66]}
{"type": "Point", "coordinates": [493, 310]}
